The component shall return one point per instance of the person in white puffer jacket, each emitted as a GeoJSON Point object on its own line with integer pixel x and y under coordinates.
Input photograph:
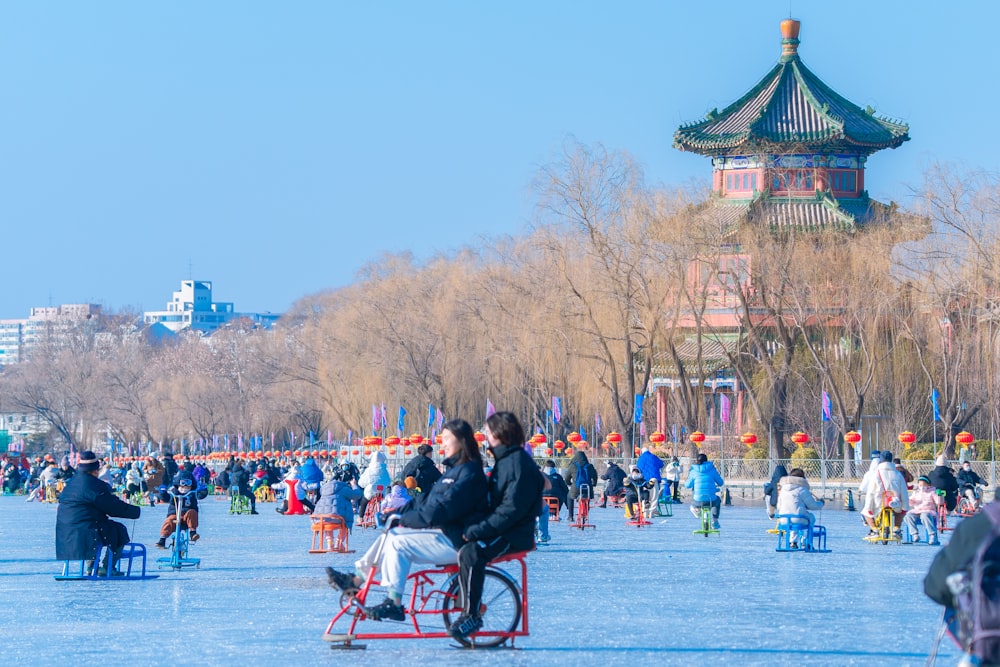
{"type": "Point", "coordinates": [887, 485]}
{"type": "Point", "coordinates": [795, 497]}
{"type": "Point", "coordinates": [374, 476]}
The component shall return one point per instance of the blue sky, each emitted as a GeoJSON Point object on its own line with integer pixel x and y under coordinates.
{"type": "Point", "coordinates": [276, 147]}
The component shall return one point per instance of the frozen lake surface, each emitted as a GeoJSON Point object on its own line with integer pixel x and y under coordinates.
{"type": "Point", "coordinates": [615, 595]}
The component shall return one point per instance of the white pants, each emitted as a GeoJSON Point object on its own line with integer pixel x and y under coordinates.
{"type": "Point", "coordinates": [398, 548]}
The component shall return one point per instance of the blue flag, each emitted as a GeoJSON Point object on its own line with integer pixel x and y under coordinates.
{"type": "Point", "coordinates": [430, 415]}
{"type": "Point", "coordinates": [827, 408]}
{"type": "Point", "coordinates": [583, 433]}
{"type": "Point", "coordinates": [401, 420]}
{"type": "Point", "coordinates": [637, 417]}
{"type": "Point", "coordinates": [935, 397]}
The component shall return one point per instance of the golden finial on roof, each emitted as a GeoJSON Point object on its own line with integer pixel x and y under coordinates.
{"type": "Point", "coordinates": [789, 38]}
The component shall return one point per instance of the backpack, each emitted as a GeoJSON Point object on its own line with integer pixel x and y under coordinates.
{"type": "Point", "coordinates": [977, 598]}
{"type": "Point", "coordinates": [583, 476]}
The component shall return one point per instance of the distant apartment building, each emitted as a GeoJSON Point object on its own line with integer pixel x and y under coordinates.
{"type": "Point", "coordinates": [48, 325]}
{"type": "Point", "coordinates": [192, 308]}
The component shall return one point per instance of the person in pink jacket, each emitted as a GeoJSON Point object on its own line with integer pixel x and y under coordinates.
{"type": "Point", "coordinates": [925, 503]}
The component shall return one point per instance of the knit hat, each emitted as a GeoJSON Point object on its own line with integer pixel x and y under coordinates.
{"type": "Point", "coordinates": [924, 478]}
{"type": "Point", "coordinates": [88, 462]}
{"type": "Point", "coordinates": [876, 454]}
{"type": "Point", "coordinates": [887, 456]}
{"type": "Point", "coordinates": [410, 482]}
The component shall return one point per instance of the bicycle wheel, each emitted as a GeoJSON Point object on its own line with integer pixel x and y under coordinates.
{"type": "Point", "coordinates": [500, 608]}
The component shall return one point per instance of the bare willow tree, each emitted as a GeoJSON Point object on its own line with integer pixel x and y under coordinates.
{"type": "Point", "coordinates": [597, 221]}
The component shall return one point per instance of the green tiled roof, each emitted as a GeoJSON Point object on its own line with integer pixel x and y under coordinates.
{"type": "Point", "coordinates": [791, 105]}
{"type": "Point", "coordinates": [804, 215]}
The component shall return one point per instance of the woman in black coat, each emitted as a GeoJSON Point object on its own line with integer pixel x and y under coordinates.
{"type": "Point", "coordinates": [942, 478]}
{"type": "Point", "coordinates": [85, 505]}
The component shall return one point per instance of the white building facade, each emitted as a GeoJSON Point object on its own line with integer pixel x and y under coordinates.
{"type": "Point", "coordinates": [192, 308]}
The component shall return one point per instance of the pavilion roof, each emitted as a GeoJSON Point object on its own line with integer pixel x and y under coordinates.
{"type": "Point", "coordinates": [790, 106]}
{"type": "Point", "coordinates": [821, 212]}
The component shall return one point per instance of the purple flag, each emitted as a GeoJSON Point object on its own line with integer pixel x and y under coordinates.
{"type": "Point", "coordinates": [384, 416]}
{"type": "Point", "coordinates": [440, 418]}
{"type": "Point", "coordinates": [642, 429]}
{"type": "Point", "coordinates": [827, 408]}
{"type": "Point", "coordinates": [556, 409]}
{"type": "Point", "coordinates": [724, 408]}
{"type": "Point", "coordinates": [374, 418]}
{"type": "Point", "coordinates": [490, 410]}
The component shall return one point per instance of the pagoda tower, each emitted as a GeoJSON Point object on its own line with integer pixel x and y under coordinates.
{"type": "Point", "coordinates": [791, 153]}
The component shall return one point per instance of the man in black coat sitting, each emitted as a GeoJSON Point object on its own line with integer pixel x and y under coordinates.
{"type": "Point", "coordinates": [82, 520]}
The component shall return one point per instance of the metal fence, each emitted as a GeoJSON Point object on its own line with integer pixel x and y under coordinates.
{"type": "Point", "coordinates": [760, 470]}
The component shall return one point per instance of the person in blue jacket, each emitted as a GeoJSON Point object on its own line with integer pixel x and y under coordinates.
{"type": "Point", "coordinates": [771, 490]}
{"type": "Point", "coordinates": [310, 479]}
{"type": "Point", "coordinates": [337, 498]}
{"type": "Point", "coordinates": [705, 482]}
{"type": "Point", "coordinates": [650, 466]}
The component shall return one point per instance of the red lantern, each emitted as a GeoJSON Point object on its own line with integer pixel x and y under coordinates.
{"type": "Point", "coordinates": [655, 436]}
{"type": "Point", "coordinates": [354, 452]}
{"type": "Point", "coordinates": [614, 437]}
{"type": "Point", "coordinates": [480, 437]}
{"type": "Point", "coordinates": [560, 445]}
{"type": "Point", "coordinates": [748, 439]}
{"type": "Point", "coordinates": [392, 440]}
{"type": "Point", "coordinates": [441, 451]}
{"type": "Point", "coordinates": [697, 437]}
{"type": "Point", "coordinates": [343, 452]}
{"type": "Point", "coordinates": [407, 451]}
{"type": "Point", "coordinates": [438, 439]}
{"type": "Point", "coordinates": [574, 437]}
{"type": "Point", "coordinates": [416, 439]}
{"type": "Point", "coordinates": [288, 453]}
{"type": "Point", "coordinates": [964, 438]}
{"type": "Point", "coordinates": [854, 437]}
{"type": "Point", "coordinates": [539, 439]}
{"type": "Point", "coordinates": [392, 451]}
{"type": "Point", "coordinates": [906, 438]}
{"type": "Point", "coordinates": [800, 438]}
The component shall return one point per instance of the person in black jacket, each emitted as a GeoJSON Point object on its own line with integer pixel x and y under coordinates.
{"type": "Point", "coordinates": [422, 469]}
{"type": "Point", "coordinates": [82, 520]}
{"type": "Point", "coordinates": [516, 487]}
{"type": "Point", "coordinates": [429, 534]}
{"type": "Point", "coordinates": [615, 478]}
{"type": "Point", "coordinates": [240, 479]}
{"type": "Point", "coordinates": [968, 479]}
{"type": "Point", "coordinates": [943, 479]}
{"type": "Point", "coordinates": [557, 486]}
{"type": "Point", "coordinates": [958, 554]}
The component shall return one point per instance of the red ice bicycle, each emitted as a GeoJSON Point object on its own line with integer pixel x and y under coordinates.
{"type": "Point", "coordinates": [435, 594]}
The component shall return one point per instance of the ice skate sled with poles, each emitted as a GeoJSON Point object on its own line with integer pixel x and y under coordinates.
{"type": "Point", "coordinates": [132, 558]}
{"type": "Point", "coordinates": [180, 541]}
{"type": "Point", "coordinates": [705, 516]}
{"type": "Point", "coordinates": [434, 596]}
{"type": "Point", "coordinates": [370, 518]}
{"type": "Point", "coordinates": [582, 520]}
{"type": "Point", "coordinates": [796, 534]}
{"type": "Point", "coordinates": [886, 530]}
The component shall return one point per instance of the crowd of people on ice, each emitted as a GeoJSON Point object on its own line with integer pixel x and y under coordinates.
{"type": "Point", "coordinates": [469, 509]}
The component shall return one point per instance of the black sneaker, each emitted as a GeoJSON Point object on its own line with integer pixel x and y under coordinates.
{"type": "Point", "coordinates": [342, 581]}
{"type": "Point", "coordinates": [254, 512]}
{"type": "Point", "coordinates": [161, 543]}
{"type": "Point", "coordinates": [386, 610]}
{"type": "Point", "coordinates": [194, 537]}
{"type": "Point", "coordinates": [465, 626]}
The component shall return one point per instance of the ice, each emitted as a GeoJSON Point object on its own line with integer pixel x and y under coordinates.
{"type": "Point", "coordinates": [616, 595]}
